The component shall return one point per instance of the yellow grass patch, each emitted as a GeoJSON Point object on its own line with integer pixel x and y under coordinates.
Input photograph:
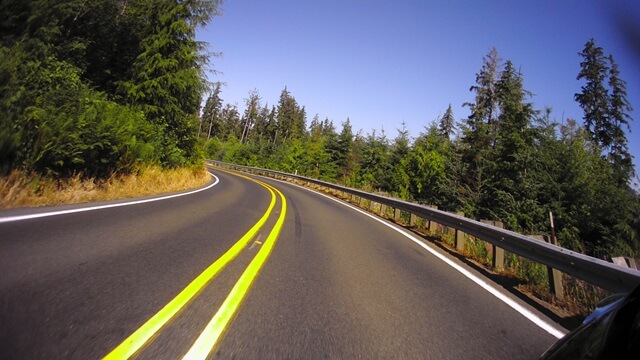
{"type": "Point", "coordinates": [21, 190]}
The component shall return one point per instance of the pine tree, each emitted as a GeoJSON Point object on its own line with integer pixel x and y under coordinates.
{"type": "Point", "coordinates": [447, 124]}
{"type": "Point", "coordinates": [250, 115]}
{"type": "Point", "coordinates": [619, 109]}
{"type": "Point", "coordinates": [168, 75]}
{"type": "Point", "coordinates": [230, 122]}
{"type": "Point", "coordinates": [594, 98]}
{"type": "Point", "coordinates": [427, 166]}
{"type": "Point", "coordinates": [485, 108]}
{"type": "Point", "coordinates": [478, 134]}
{"type": "Point", "coordinates": [400, 152]}
{"type": "Point", "coordinates": [291, 118]}
{"type": "Point", "coordinates": [375, 164]}
{"type": "Point", "coordinates": [603, 99]}
{"type": "Point", "coordinates": [315, 127]}
{"type": "Point", "coordinates": [511, 187]}
{"type": "Point", "coordinates": [210, 121]}
{"type": "Point", "coordinates": [341, 150]}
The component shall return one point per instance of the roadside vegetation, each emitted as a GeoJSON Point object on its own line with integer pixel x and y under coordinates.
{"type": "Point", "coordinates": [99, 96]}
{"type": "Point", "coordinates": [21, 190]}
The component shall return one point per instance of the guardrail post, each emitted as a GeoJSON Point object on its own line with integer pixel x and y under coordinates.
{"type": "Point", "coordinates": [396, 215]}
{"type": "Point", "coordinates": [371, 205]}
{"type": "Point", "coordinates": [383, 210]}
{"type": "Point", "coordinates": [413, 219]}
{"type": "Point", "coordinates": [498, 253]}
{"type": "Point", "coordinates": [433, 226]}
{"type": "Point", "coordinates": [555, 277]}
{"type": "Point", "coordinates": [362, 202]}
{"type": "Point", "coordinates": [460, 237]}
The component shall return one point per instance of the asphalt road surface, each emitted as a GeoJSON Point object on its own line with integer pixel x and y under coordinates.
{"type": "Point", "coordinates": [309, 278]}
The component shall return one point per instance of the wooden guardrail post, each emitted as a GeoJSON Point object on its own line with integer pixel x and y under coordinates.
{"type": "Point", "coordinates": [396, 215]}
{"type": "Point", "coordinates": [460, 236]}
{"type": "Point", "coordinates": [554, 276]}
{"type": "Point", "coordinates": [413, 219]}
{"type": "Point", "coordinates": [433, 226]}
{"type": "Point", "coordinates": [383, 210]}
{"type": "Point", "coordinates": [498, 253]}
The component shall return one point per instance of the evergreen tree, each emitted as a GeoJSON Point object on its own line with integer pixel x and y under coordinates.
{"type": "Point", "coordinates": [167, 76]}
{"type": "Point", "coordinates": [447, 124]}
{"type": "Point", "coordinates": [594, 98]}
{"type": "Point", "coordinates": [511, 186]}
{"type": "Point", "coordinates": [619, 109]}
{"type": "Point", "coordinates": [315, 128]}
{"type": "Point", "coordinates": [250, 115]}
{"type": "Point", "coordinates": [210, 121]}
{"type": "Point", "coordinates": [344, 158]}
{"type": "Point", "coordinates": [606, 109]}
{"type": "Point", "coordinates": [230, 122]}
{"type": "Point", "coordinates": [485, 108]}
{"type": "Point", "coordinates": [272, 126]}
{"type": "Point", "coordinates": [375, 163]}
{"type": "Point", "coordinates": [427, 167]}
{"type": "Point", "coordinates": [400, 151]}
{"type": "Point", "coordinates": [291, 118]}
{"type": "Point", "coordinates": [478, 134]}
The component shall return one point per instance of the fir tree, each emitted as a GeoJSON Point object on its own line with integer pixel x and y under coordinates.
{"type": "Point", "coordinates": [594, 96]}
{"type": "Point", "coordinates": [291, 118]}
{"type": "Point", "coordinates": [210, 121]}
{"type": "Point", "coordinates": [447, 124]}
{"type": "Point", "coordinates": [250, 116]}
{"type": "Point", "coordinates": [619, 109]}
{"type": "Point", "coordinates": [478, 134]}
{"type": "Point", "coordinates": [603, 99]}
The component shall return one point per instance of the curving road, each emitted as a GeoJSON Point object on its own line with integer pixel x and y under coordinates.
{"type": "Point", "coordinates": [337, 283]}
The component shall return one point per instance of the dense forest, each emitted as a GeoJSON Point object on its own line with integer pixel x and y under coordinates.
{"type": "Point", "coordinates": [97, 87]}
{"type": "Point", "coordinates": [505, 161]}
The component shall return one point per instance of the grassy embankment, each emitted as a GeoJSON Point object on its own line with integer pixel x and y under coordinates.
{"type": "Point", "coordinates": [19, 189]}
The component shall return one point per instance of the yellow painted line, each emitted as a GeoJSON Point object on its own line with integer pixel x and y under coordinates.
{"type": "Point", "coordinates": [214, 329]}
{"type": "Point", "coordinates": [142, 335]}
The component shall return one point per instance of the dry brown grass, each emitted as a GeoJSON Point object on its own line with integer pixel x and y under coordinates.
{"type": "Point", "coordinates": [21, 190]}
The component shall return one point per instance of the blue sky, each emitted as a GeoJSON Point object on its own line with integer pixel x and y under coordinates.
{"type": "Point", "coordinates": [382, 63]}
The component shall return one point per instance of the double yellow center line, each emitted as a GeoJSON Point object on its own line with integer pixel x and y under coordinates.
{"type": "Point", "coordinates": [214, 329]}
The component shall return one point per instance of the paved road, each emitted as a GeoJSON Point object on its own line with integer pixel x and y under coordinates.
{"type": "Point", "coordinates": [337, 284]}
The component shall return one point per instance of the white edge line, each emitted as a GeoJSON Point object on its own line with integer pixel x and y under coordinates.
{"type": "Point", "coordinates": [135, 202]}
{"type": "Point", "coordinates": [492, 290]}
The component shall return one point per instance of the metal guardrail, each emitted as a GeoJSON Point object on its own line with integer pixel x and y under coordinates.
{"type": "Point", "coordinates": [595, 271]}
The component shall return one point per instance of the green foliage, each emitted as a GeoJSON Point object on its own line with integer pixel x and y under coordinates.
{"type": "Point", "coordinates": [96, 87]}
{"type": "Point", "coordinates": [375, 163]}
{"type": "Point", "coordinates": [72, 129]}
{"type": "Point", "coordinates": [427, 168]}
